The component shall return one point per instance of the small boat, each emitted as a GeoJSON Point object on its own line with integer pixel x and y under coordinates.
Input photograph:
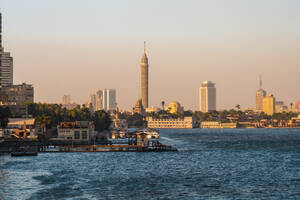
{"type": "Point", "coordinates": [14, 154]}
{"type": "Point", "coordinates": [21, 151]}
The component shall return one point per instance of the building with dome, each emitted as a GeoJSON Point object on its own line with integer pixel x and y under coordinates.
{"type": "Point", "coordinates": [175, 108]}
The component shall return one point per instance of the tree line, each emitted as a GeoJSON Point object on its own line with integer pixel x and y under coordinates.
{"type": "Point", "coordinates": [50, 115]}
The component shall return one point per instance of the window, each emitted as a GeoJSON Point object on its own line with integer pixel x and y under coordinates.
{"type": "Point", "coordinates": [84, 135]}
{"type": "Point", "coordinates": [77, 135]}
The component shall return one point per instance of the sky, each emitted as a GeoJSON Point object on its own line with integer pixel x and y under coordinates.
{"type": "Point", "coordinates": [79, 46]}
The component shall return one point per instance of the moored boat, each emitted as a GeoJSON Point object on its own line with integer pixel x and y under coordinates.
{"type": "Point", "coordinates": [21, 151]}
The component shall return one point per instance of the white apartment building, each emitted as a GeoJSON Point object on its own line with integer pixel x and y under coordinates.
{"type": "Point", "coordinates": [186, 122]}
{"type": "Point", "coordinates": [207, 94]}
{"type": "Point", "coordinates": [109, 99]}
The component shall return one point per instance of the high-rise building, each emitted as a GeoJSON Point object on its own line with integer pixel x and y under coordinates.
{"type": "Point", "coordinates": [103, 100]}
{"type": "Point", "coordinates": [6, 63]}
{"type": "Point", "coordinates": [207, 95]}
{"type": "Point", "coordinates": [280, 107]}
{"type": "Point", "coordinates": [66, 100]}
{"type": "Point", "coordinates": [11, 94]}
{"type": "Point", "coordinates": [99, 100]}
{"type": "Point", "coordinates": [17, 94]}
{"type": "Point", "coordinates": [92, 102]}
{"type": "Point", "coordinates": [144, 79]}
{"type": "Point", "coordinates": [109, 99]}
{"type": "Point", "coordinates": [0, 30]}
{"type": "Point", "coordinates": [259, 96]}
{"type": "Point", "coordinates": [269, 104]}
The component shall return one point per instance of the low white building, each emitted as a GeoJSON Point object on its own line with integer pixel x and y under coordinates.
{"type": "Point", "coordinates": [214, 124]}
{"type": "Point", "coordinates": [186, 122]}
{"type": "Point", "coordinates": [79, 131]}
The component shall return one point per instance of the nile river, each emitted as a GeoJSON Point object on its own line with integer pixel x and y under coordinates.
{"type": "Point", "coordinates": [210, 164]}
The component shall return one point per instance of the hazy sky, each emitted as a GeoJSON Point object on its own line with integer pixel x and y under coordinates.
{"type": "Point", "coordinates": [78, 46]}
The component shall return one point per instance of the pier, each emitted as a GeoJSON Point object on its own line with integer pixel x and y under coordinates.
{"type": "Point", "coordinates": [57, 146]}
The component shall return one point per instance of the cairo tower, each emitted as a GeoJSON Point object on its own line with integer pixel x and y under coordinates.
{"type": "Point", "coordinates": [144, 78]}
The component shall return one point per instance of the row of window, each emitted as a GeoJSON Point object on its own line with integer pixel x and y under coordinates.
{"type": "Point", "coordinates": [169, 122]}
{"type": "Point", "coordinates": [83, 135]}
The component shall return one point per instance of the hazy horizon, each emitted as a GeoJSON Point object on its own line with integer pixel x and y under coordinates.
{"type": "Point", "coordinates": [79, 47]}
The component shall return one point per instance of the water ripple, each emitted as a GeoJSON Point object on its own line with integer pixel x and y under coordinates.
{"type": "Point", "coordinates": [211, 164]}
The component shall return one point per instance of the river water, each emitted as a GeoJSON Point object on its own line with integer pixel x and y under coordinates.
{"type": "Point", "coordinates": [210, 164]}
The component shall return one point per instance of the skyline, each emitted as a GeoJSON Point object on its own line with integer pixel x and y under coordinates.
{"type": "Point", "coordinates": [233, 58]}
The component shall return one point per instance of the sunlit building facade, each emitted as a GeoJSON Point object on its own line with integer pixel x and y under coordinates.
{"type": "Point", "coordinates": [144, 79]}
{"type": "Point", "coordinates": [175, 108]}
{"type": "Point", "coordinates": [269, 104]}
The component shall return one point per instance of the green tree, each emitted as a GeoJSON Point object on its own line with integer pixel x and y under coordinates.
{"type": "Point", "coordinates": [4, 115]}
{"type": "Point", "coordinates": [101, 120]}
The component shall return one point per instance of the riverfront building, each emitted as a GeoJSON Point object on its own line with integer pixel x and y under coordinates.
{"type": "Point", "coordinates": [207, 93]}
{"type": "Point", "coordinates": [186, 122]}
{"type": "Point", "coordinates": [214, 124]}
{"type": "Point", "coordinates": [144, 79]}
{"type": "Point", "coordinates": [78, 131]}
{"type": "Point", "coordinates": [259, 96]}
{"type": "Point", "coordinates": [269, 104]}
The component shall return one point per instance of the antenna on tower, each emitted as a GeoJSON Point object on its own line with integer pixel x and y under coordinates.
{"type": "Point", "coordinates": [260, 82]}
{"type": "Point", "coordinates": [144, 46]}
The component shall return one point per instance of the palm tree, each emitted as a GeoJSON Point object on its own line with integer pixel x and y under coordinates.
{"type": "Point", "coordinates": [238, 106]}
{"type": "Point", "coordinates": [291, 106]}
{"type": "Point", "coordinates": [163, 105]}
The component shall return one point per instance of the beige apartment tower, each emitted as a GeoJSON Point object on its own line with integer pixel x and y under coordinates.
{"type": "Point", "coordinates": [207, 93]}
{"type": "Point", "coordinates": [144, 79]}
{"type": "Point", "coordinates": [259, 96]}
